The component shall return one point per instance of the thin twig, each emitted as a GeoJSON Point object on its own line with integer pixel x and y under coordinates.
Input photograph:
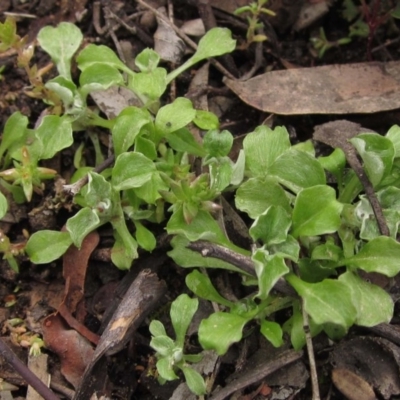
{"type": "Point", "coordinates": [78, 185]}
{"type": "Point", "coordinates": [25, 372]}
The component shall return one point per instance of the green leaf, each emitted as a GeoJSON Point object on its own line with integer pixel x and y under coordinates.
{"type": "Point", "coordinates": [144, 237]}
{"type": "Point", "coordinates": [238, 169]}
{"type": "Point", "coordinates": [124, 250]}
{"type": "Point", "coordinates": [183, 140]}
{"type": "Point", "coordinates": [216, 42]}
{"type": "Point", "coordinates": [182, 311]}
{"type": "Point", "coordinates": [61, 43]}
{"type": "Point", "coordinates": [157, 328]}
{"type": "Point", "coordinates": [54, 134]}
{"type": "Point", "coordinates": [15, 131]}
{"type": "Point", "coordinates": [3, 205]}
{"type": "Point", "coordinates": [146, 147]}
{"type": "Point", "coordinates": [268, 269]}
{"type": "Point", "coordinates": [256, 195]}
{"type": "Point", "coordinates": [334, 163]}
{"type": "Point", "coordinates": [163, 344]}
{"type": "Point", "coordinates": [8, 33]}
{"type": "Point", "coordinates": [220, 330]}
{"type": "Point", "coordinates": [393, 135]}
{"type": "Point", "coordinates": [99, 77]}
{"type": "Point", "coordinates": [186, 258]}
{"type": "Point", "coordinates": [81, 224]}
{"type": "Point", "coordinates": [150, 191]}
{"type": "Point", "coordinates": [272, 332]}
{"type": "Point", "coordinates": [206, 120]}
{"type": "Point", "coordinates": [98, 194]}
{"type": "Point", "coordinates": [131, 170]}
{"type": "Point", "coordinates": [147, 60]}
{"type": "Point", "coordinates": [200, 284]}
{"type": "Point", "coordinates": [290, 249]}
{"type": "Point", "coordinates": [202, 227]}
{"type": "Point", "coordinates": [329, 301]}
{"type": "Point", "coordinates": [194, 380]}
{"type": "Point", "coordinates": [149, 86]}
{"type": "Point", "coordinates": [263, 146]}
{"type": "Point", "coordinates": [377, 153]}
{"type": "Point", "coordinates": [93, 54]}
{"type": "Point", "coordinates": [327, 251]}
{"type": "Point", "coordinates": [220, 174]}
{"type": "Point", "coordinates": [127, 126]}
{"type": "Point", "coordinates": [165, 369]}
{"type": "Point", "coordinates": [316, 212]}
{"type": "Point", "coordinates": [379, 255]}
{"type": "Point", "coordinates": [297, 170]}
{"type": "Point", "coordinates": [272, 226]}
{"type": "Point", "coordinates": [66, 90]}
{"type": "Point", "coordinates": [295, 326]}
{"type": "Point", "coordinates": [374, 305]}
{"type": "Point", "coordinates": [218, 144]}
{"type": "Point", "coordinates": [175, 115]}
{"type": "Point", "coordinates": [46, 246]}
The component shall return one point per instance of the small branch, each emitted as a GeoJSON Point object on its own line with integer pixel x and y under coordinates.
{"type": "Point", "coordinates": [208, 249]}
{"type": "Point", "coordinates": [74, 188]}
{"type": "Point", "coordinates": [26, 373]}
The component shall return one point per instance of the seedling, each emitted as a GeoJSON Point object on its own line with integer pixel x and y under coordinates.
{"type": "Point", "coordinates": [170, 353]}
{"type": "Point", "coordinates": [255, 26]}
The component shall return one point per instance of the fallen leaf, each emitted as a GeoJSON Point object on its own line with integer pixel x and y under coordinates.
{"type": "Point", "coordinates": [331, 89]}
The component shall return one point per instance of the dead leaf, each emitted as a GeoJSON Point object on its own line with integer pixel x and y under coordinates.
{"type": "Point", "coordinates": [352, 385]}
{"type": "Point", "coordinates": [74, 351]}
{"type": "Point", "coordinates": [167, 43]}
{"type": "Point", "coordinates": [375, 360]}
{"type": "Point", "coordinates": [331, 89]}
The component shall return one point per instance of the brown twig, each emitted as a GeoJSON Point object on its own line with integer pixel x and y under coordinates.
{"type": "Point", "coordinates": [25, 372]}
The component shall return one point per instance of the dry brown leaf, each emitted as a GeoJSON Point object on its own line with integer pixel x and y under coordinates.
{"type": "Point", "coordinates": [351, 385]}
{"type": "Point", "coordinates": [332, 89]}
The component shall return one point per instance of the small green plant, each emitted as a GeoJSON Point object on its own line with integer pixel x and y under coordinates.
{"type": "Point", "coordinates": [255, 26]}
{"type": "Point", "coordinates": [170, 353]}
{"type": "Point", "coordinates": [322, 44]}
{"type": "Point", "coordinates": [308, 235]}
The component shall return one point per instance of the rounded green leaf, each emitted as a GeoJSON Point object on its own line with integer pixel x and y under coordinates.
{"type": "Point", "coordinates": [157, 328]}
{"type": "Point", "coordinates": [61, 43]}
{"type": "Point", "coordinates": [316, 212]}
{"type": "Point", "coordinates": [194, 381]}
{"type": "Point", "coordinates": [218, 144]}
{"type": "Point", "coordinates": [93, 54]}
{"type": "Point", "coordinates": [215, 42]}
{"type": "Point", "coordinates": [46, 246]}
{"type": "Point", "coordinates": [220, 330]}
{"type": "Point", "coordinates": [381, 254]}
{"type": "Point", "coordinates": [131, 170]}
{"type": "Point", "coordinates": [272, 332]}
{"type": "Point", "coordinates": [144, 237]}
{"type": "Point", "coordinates": [327, 302]}
{"type": "Point", "coordinates": [200, 284]}
{"type": "Point", "coordinates": [81, 224]}
{"type": "Point", "coordinates": [165, 369]}
{"type": "Point", "coordinates": [271, 226]}
{"type": "Point", "coordinates": [374, 305]}
{"type": "Point", "coordinates": [175, 116]}
{"type": "Point", "coordinates": [99, 77]}
{"type": "Point", "coordinates": [297, 170]}
{"type": "Point", "coordinates": [257, 195]}
{"type": "Point", "coordinates": [263, 146]}
{"type": "Point", "coordinates": [182, 310]}
{"type": "Point", "coordinates": [54, 134]}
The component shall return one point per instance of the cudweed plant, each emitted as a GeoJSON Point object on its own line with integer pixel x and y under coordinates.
{"type": "Point", "coordinates": [307, 234]}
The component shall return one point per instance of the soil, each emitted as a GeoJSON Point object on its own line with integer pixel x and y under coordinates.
{"type": "Point", "coordinates": [37, 290]}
